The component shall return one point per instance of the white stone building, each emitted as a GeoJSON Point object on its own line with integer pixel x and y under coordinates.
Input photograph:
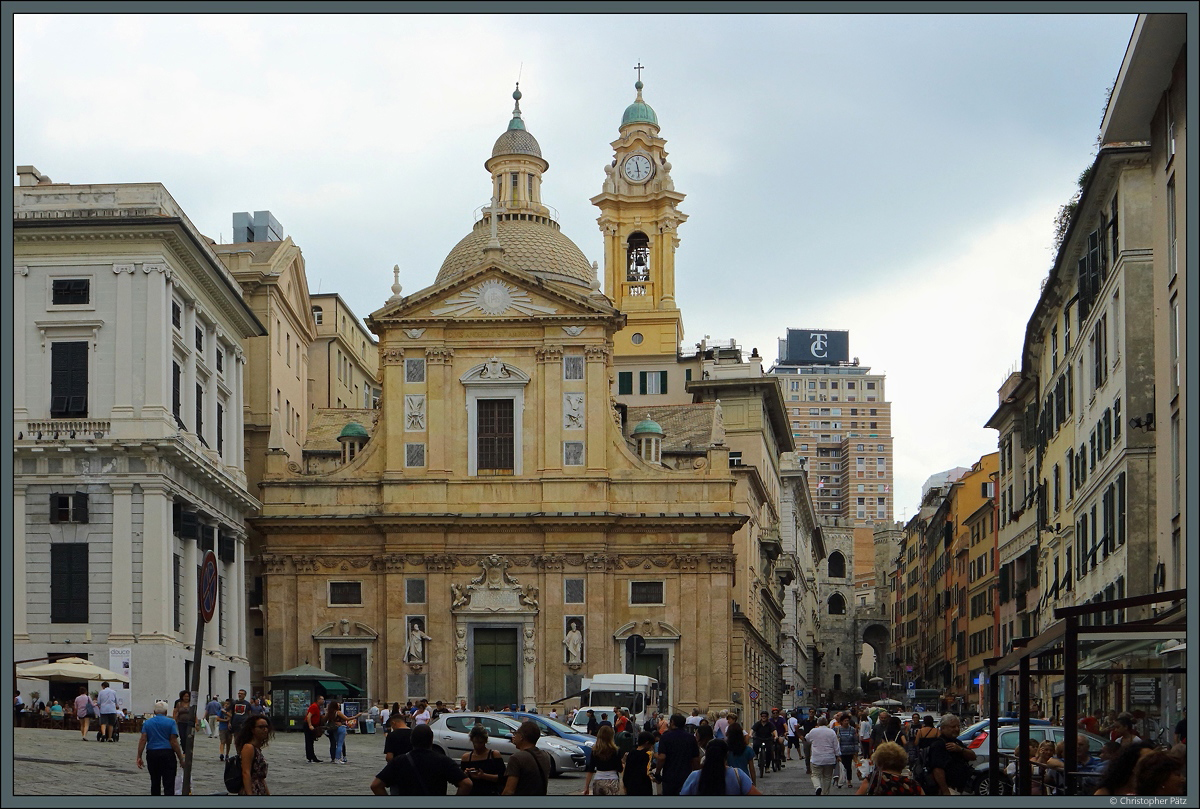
{"type": "Point", "coordinates": [128, 456]}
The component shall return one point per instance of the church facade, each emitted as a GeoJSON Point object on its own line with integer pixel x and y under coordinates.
{"type": "Point", "coordinates": [502, 527]}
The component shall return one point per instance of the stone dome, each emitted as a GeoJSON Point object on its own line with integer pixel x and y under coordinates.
{"type": "Point", "coordinates": [533, 243]}
{"type": "Point", "coordinates": [516, 141]}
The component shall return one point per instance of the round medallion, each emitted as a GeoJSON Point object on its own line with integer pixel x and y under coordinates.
{"type": "Point", "coordinates": [494, 298]}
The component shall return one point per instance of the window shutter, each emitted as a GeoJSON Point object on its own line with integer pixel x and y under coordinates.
{"type": "Point", "coordinates": [69, 583]}
{"type": "Point", "coordinates": [642, 382]}
{"type": "Point", "coordinates": [662, 381]}
{"type": "Point", "coordinates": [54, 509]}
{"type": "Point", "coordinates": [81, 507]}
{"type": "Point", "coordinates": [176, 394]}
{"type": "Point", "coordinates": [624, 383]}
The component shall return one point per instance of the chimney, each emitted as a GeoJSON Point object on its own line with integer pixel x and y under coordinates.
{"type": "Point", "coordinates": [29, 175]}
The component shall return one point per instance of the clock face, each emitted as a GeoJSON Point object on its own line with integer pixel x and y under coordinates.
{"type": "Point", "coordinates": [638, 168]}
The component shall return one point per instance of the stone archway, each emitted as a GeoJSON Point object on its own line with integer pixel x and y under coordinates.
{"type": "Point", "coordinates": [876, 640]}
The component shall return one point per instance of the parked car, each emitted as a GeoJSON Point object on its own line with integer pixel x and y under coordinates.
{"type": "Point", "coordinates": [552, 727]}
{"type": "Point", "coordinates": [451, 735]}
{"type": "Point", "coordinates": [971, 731]}
{"type": "Point", "coordinates": [1009, 734]}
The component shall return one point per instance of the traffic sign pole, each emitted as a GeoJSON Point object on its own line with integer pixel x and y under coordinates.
{"type": "Point", "coordinates": [206, 587]}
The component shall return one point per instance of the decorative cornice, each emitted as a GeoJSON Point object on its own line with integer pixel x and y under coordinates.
{"type": "Point", "coordinates": [597, 353]}
{"type": "Point", "coordinates": [392, 356]}
{"type": "Point", "coordinates": [438, 355]}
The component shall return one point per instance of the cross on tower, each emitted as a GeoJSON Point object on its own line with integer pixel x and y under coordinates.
{"type": "Point", "coordinates": [493, 211]}
{"type": "Point", "coordinates": [639, 67]}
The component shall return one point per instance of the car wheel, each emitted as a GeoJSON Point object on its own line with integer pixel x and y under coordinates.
{"type": "Point", "coordinates": [983, 787]}
{"type": "Point", "coordinates": [553, 768]}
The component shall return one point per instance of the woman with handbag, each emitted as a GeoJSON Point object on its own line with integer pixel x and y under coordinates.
{"type": "Point", "coordinates": [85, 711]}
{"type": "Point", "coordinates": [184, 715]}
{"type": "Point", "coordinates": [335, 723]}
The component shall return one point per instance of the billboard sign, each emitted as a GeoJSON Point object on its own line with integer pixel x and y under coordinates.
{"type": "Point", "coordinates": [817, 347]}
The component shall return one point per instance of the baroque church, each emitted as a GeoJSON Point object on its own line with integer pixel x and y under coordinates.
{"type": "Point", "coordinates": [502, 501]}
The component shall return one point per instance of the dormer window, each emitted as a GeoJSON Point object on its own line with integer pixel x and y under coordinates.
{"type": "Point", "coordinates": [318, 315]}
{"type": "Point", "coordinates": [352, 438]}
{"type": "Point", "coordinates": [639, 257]}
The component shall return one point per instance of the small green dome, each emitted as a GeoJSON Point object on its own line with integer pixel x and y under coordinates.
{"type": "Point", "coordinates": [639, 112]}
{"type": "Point", "coordinates": [647, 427]}
{"type": "Point", "coordinates": [353, 430]}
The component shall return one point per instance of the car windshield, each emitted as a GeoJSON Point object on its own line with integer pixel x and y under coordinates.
{"type": "Point", "coordinates": [558, 726]}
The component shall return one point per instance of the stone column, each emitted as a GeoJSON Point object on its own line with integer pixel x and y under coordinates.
{"type": "Point", "coordinates": [123, 346]}
{"type": "Point", "coordinates": [121, 627]}
{"type": "Point", "coordinates": [212, 395]}
{"type": "Point", "coordinates": [529, 660]}
{"type": "Point", "coordinates": [20, 600]}
{"type": "Point", "coordinates": [189, 581]}
{"type": "Point", "coordinates": [392, 378]}
{"type": "Point", "coordinates": [157, 561]}
{"type": "Point", "coordinates": [188, 383]}
{"type": "Point", "coordinates": [236, 642]}
{"type": "Point", "coordinates": [20, 403]}
{"type": "Point", "coordinates": [236, 430]}
{"type": "Point", "coordinates": [158, 344]}
{"type": "Point", "coordinates": [460, 658]}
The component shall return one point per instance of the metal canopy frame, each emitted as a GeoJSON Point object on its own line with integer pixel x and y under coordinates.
{"type": "Point", "coordinates": [1063, 637]}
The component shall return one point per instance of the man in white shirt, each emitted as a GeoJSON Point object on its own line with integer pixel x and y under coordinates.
{"type": "Point", "coordinates": [793, 740]}
{"type": "Point", "coordinates": [107, 700]}
{"type": "Point", "coordinates": [865, 729]}
{"type": "Point", "coordinates": [694, 720]}
{"type": "Point", "coordinates": [825, 752]}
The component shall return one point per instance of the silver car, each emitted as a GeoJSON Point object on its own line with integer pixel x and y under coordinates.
{"type": "Point", "coordinates": [451, 735]}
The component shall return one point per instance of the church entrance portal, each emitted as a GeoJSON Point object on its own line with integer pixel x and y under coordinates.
{"type": "Point", "coordinates": [497, 666]}
{"type": "Point", "coordinates": [652, 663]}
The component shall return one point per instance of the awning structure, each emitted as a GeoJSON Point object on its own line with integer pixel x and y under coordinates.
{"type": "Point", "coordinates": [1065, 637]}
{"type": "Point", "coordinates": [332, 687]}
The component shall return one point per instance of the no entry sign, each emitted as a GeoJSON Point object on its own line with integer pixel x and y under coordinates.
{"type": "Point", "coordinates": [208, 586]}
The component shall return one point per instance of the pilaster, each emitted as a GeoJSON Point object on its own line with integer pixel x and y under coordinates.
{"type": "Point", "coordinates": [19, 593]}
{"type": "Point", "coordinates": [121, 627]}
{"type": "Point", "coordinates": [123, 348]}
{"type": "Point", "coordinates": [158, 344]}
{"type": "Point", "coordinates": [157, 561]}
{"type": "Point", "coordinates": [17, 312]}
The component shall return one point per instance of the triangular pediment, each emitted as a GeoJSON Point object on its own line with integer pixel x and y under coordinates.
{"type": "Point", "coordinates": [496, 292]}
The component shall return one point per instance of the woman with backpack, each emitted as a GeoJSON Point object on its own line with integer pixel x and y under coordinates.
{"type": "Point", "coordinates": [888, 777]}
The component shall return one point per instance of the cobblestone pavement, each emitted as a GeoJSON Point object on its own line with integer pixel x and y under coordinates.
{"type": "Point", "coordinates": [57, 762]}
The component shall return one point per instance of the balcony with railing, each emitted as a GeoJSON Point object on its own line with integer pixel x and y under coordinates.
{"type": "Point", "coordinates": [63, 429]}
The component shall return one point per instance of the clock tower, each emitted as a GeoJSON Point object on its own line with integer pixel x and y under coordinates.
{"type": "Point", "coordinates": [639, 216]}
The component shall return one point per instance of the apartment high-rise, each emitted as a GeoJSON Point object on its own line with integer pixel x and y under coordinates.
{"type": "Point", "coordinates": [841, 423]}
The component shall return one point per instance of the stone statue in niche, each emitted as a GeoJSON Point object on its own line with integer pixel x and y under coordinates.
{"type": "Point", "coordinates": [414, 650]}
{"type": "Point", "coordinates": [574, 643]}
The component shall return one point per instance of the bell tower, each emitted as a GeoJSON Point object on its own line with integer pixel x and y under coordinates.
{"type": "Point", "coordinates": [639, 216]}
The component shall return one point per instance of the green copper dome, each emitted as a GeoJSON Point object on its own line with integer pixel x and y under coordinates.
{"type": "Point", "coordinates": [353, 430]}
{"type": "Point", "coordinates": [647, 427]}
{"type": "Point", "coordinates": [639, 112]}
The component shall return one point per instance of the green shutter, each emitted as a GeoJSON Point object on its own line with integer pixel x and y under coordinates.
{"type": "Point", "coordinates": [624, 383]}
{"type": "Point", "coordinates": [662, 388]}
{"type": "Point", "coordinates": [642, 382]}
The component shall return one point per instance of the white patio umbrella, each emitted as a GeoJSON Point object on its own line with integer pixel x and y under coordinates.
{"type": "Point", "coordinates": [886, 703]}
{"type": "Point", "coordinates": [70, 669]}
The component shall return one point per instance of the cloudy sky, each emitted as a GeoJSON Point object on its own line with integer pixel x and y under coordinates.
{"type": "Point", "coordinates": [896, 176]}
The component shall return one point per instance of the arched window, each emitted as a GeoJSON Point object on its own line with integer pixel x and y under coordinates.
{"type": "Point", "coordinates": [837, 565]}
{"type": "Point", "coordinates": [638, 253]}
{"type": "Point", "coordinates": [837, 604]}
{"type": "Point", "coordinates": [318, 314]}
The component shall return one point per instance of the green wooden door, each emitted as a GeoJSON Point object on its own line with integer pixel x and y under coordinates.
{"type": "Point", "coordinates": [496, 661]}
